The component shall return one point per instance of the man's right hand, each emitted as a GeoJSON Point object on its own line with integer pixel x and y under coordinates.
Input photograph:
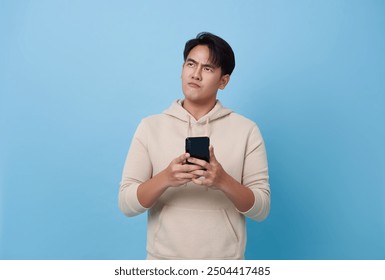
{"type": "Point", "coordinates": [179, 173]}
{"type": "Point", "coordinates": [176, 174]}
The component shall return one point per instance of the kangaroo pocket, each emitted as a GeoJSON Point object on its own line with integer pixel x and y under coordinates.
{"type": "Point", "coordinates": [195, 234]}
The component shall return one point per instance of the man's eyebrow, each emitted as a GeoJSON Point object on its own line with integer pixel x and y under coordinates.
{"type": "Point", "coordinates": [204, 65]}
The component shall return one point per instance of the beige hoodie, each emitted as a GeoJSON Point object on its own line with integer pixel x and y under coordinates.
{"type": "Point", "coordinates": [192, 221]}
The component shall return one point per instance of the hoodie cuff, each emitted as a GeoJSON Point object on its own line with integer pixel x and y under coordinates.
{"type": "Point", "coordinates": [259, 210]}
{"type": "Point", "coordinates": [131, 203]}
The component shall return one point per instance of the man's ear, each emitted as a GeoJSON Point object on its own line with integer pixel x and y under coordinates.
{"type": "Point", "coordinates": [224, 81]}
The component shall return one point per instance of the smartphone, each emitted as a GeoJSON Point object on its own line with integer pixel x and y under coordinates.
{"type": "Point", "coordinates": [198, 147]}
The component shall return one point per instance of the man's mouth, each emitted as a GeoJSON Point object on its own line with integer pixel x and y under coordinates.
{"type": "Point", "coordinates": [194, 85]}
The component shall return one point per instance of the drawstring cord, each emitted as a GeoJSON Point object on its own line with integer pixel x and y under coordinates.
{"type": "Point", "coordinates": [188, 126]}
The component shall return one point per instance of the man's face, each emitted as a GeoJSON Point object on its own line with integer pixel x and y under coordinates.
{"type": "Point", "coordinates": [200, 78]}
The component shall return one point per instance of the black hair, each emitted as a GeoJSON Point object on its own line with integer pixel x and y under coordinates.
{"type": "Point", "coordinates": [221, 54]}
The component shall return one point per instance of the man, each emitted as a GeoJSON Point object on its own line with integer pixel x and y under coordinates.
{"type": "Point", "coordinates": [197, 210]}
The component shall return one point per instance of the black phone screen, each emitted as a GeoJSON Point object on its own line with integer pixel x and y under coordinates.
{"type": "Point", "coordinates": [198, 147]}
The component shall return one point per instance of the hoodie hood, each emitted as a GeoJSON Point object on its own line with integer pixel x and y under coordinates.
{"type": "Point", "coordinates": [177, 111]}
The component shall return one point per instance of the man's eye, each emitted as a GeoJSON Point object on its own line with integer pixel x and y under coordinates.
{"type": "Point", "coordinates": [208, 69]}
{"type": "Point", "coordinates": [190, 64]}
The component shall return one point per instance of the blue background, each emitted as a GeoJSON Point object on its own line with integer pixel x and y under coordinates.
{"type": "Point", "coordinates": [76, 77]}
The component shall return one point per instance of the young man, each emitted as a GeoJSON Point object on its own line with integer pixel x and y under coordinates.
{"type": "Point", "coordinates": [197, 210]}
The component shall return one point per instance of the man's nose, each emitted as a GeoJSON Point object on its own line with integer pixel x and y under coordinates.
{"type": "Point", "coordinates": [197, 75]}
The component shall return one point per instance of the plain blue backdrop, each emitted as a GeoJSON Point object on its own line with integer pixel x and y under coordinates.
{"type": "Point", "coordinates": [76, 77]}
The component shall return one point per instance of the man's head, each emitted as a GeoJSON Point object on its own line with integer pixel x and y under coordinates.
{"type": "Point", "coordinates": [208, 63]}
{"type": "Point", "coordinates": [221, 54]}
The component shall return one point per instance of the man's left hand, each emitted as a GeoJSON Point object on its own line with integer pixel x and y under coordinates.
{"type": "Point", "coordinates": [212, 173]}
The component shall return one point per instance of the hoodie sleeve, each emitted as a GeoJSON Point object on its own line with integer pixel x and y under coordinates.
{"type": "Point", "coordinates": [137, 169]}
{"type": "Point", "coordinates": [256, 177]}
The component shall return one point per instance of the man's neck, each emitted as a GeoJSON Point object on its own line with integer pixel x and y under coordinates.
{"type": "Point", "coordinates": [198, 110]}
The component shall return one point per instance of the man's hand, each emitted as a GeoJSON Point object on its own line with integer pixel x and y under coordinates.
{"type": "Point", "coordinates": [212, 172]}
{"type": "Point", "coordinates": [214, 176]}
{"type": "Point", "coordinates": [179, 173]}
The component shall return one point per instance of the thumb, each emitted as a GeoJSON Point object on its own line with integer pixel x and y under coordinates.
{"type": "Point", "coordinates": [182, 158]}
